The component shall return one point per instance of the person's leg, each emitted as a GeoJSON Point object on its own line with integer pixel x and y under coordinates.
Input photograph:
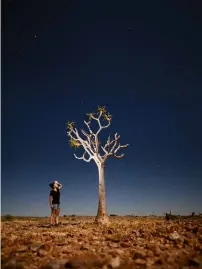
{"type": "Point", "coordinates": [57, 215]}
{"type": "Point", "coordinates": [52, 216]}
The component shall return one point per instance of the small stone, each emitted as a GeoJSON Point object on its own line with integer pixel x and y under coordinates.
{"type": "Point", "coordinates": [138, 255]}
{"type": "Point", "coordinates": [95, 242]}
{"type": "Point", "coordinates": [115, 262]}
{"type": "Point", "coordinates": [119, 251]}
{"type": "Point", "coordinates": [13, 237]}
{"type": "Point", "coordinates": [22, 249]}
{"type": "Point", "coordinates": [157, 250]}
{"type": "Point", "coordinates": [136, 232]}
{"type": "Point", "coordinates": [174, 236]}
{"type": "Point", "coordinates": [170, 260]}
{"type": "Point", "coordinates": [36, 246]}
{"type": "Point", "coordinates": [140, 261]}
{"type": "Point", "coordinates": [150, 253]}
{"type": "Point", "coordinates": [125, 245]}
{"type": "Point", "coordinates": [115, 240]}
{"type": "Point", "coordinates": [67, 249]}
{"type": "Point", "coordinates": [84, 247]}
{"type": "Point", "coordinates": [113, 245]}
{"type": "Point", "coordinates": [42, 252]}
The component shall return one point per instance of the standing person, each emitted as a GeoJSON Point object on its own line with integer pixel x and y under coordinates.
{"type": "Point", "coordinates": [54, 200]}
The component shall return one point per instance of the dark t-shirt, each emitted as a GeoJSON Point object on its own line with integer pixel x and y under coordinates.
{"type": "Point", "coordinates": [56, 196]}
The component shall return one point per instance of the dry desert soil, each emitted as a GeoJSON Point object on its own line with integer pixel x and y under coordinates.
{"type": "Point", "coordinates": [127, 242]}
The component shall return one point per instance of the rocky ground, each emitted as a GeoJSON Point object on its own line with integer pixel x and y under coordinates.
{"type": "Point", "coordinates": [124, 243]}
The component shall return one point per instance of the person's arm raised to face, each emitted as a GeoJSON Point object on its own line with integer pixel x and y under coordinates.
{"type": "Point", "coordinates": [59, 185]}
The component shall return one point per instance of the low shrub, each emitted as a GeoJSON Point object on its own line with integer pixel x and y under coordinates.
{"type": "Point", "coordinates": [8, 217]}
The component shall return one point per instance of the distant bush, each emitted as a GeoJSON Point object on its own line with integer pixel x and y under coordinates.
{"type": "Point", "coordinates": [113, 215]}
{"type": "Point", "coordinates": [8, 217]}
{"type": "Point", "coordinates": [169, 216]}
{"type": "Point", "coordinates": [64, 216]}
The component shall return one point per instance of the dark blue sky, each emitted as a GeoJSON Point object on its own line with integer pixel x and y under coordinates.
{"type": "Point", "coordinates": [60, 61]}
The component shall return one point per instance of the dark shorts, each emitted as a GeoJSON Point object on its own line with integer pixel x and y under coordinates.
{"type": "Point", "coordinates": [55, 206]}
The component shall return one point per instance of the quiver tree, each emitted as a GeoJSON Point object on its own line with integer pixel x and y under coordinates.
{"type": "Point", "coordinates": [94, 150]}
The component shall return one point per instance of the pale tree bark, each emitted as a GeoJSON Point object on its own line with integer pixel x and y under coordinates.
{"type": "Point", "coordinates": [92, 148]}
{"type": "Point", "coordinates": [102, 216]}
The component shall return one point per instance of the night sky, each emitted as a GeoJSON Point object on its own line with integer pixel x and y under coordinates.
{"type": "Point", "coordinates": [60, 60]}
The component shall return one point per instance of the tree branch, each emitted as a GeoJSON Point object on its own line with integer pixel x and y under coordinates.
{"type": "Point", "coordinates": [113, 150]}
{"type": "Point", "coordinates": [119, 157]}
{"type": "Point", "coordinates": [103, 148]}
{"type": "Point", "coordinates": [91, 143]}
{"type": "Point", "coordinates": [115, 142]}
{"type": "Point", "coordinates": [120, 146]}
{"type": "Point", "coordinates": [99, 123]}
{"type": "Point", "coordinates": [69, 133]}
{"type": "Point", "coordinates": [101, 127]}
{"type": "Point", "coordinates": [110, 143]}
{"type": "Point", "coordinates": [88, 125]}
{"type": "Point", "coordinates": [117, 149]}
{"type": "Point", "coordinates": [83, 157]}
{"type": "Point", "coordinates": [84, 143]}
{"type": "Point", "coordinates": [89, 137]}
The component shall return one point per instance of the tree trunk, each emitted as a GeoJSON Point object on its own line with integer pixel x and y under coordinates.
{"type": "Point", "coordinates": [102, 216]}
